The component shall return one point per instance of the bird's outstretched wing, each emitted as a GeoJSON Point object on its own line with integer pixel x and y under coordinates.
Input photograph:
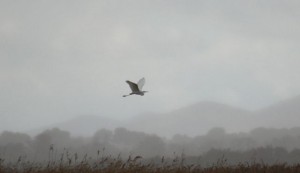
{"type": "Point", "coordinates": [134, 87]}
{"type": "Point", "coordinates": [141, 83]}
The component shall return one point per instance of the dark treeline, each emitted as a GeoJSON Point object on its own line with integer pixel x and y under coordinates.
{"type": "Point", "coordinates": [259, 145]}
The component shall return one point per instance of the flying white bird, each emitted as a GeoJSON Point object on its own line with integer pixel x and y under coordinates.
{"type": "Point", "coordinates": [136, 88]}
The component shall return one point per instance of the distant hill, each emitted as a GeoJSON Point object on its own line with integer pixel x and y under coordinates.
{"type": "Point", "coordinates": [83, 125]}
{"type": "Point", "coordinates": [199, 118]}
{"type": "Point", "coordinates": [283, 114]}
{"type": "Point", "coordinates": [196, 119]}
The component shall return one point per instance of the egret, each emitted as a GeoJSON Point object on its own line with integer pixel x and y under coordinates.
{"type": "Point", "coordinates": [136, 88]}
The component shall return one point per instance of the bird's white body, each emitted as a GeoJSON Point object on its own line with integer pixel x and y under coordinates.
{"type": "Point", "coordinates": [136, 88]}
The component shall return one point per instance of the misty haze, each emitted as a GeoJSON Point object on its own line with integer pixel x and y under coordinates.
{"type": "Point", "coordinates": [223, 82]}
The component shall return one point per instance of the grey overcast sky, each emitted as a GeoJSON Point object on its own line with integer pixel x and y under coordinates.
{"type": "Point", "coordinates": [62, 59]}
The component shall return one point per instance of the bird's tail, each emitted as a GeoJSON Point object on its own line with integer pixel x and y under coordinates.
{"type": "Point", "coordinates": [125, 95]}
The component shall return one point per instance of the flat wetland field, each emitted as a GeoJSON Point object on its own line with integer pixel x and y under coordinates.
{"type": "Point", "coordinates": [138, 165]}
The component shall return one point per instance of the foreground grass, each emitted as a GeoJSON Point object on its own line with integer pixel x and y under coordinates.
{"type": "Point", "coordinates": [136, 165]}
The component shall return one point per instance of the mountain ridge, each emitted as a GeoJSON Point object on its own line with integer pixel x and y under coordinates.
{"type": "Point", "coordinates": [194, 119]}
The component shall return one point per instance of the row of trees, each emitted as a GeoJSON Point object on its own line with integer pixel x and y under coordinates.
{"type": "Point", "coordinates": [270, 145]}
